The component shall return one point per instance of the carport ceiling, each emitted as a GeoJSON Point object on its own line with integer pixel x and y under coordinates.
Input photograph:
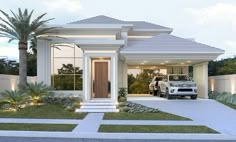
{"type": "Point", "coordinates": [162, 62]}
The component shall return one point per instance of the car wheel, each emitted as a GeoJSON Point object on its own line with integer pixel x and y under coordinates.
{"type": "Point", "coordinates": [167, 94]}
{"type": "Point", "coordinates": [194, 97]}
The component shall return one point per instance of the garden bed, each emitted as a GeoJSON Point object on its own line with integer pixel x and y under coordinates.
{"type": "Point", "coordinates": [42, 111]}
{"type": "Point", "coordinates": [155, 129]}
{"type": "Point", "coordinates": [37, 127]}
{"type": "Point", "coordinates": [233, 106]}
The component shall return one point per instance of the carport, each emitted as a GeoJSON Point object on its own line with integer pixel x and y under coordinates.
{"type": "Point", "coordinates": [172, 53]}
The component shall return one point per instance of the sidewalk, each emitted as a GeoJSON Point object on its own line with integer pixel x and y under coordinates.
{"type": "Point", "coordinates": [87, 128]}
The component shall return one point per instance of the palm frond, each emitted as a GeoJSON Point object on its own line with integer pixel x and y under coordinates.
{"type": "Point", "coordinates": [6, 29]}
{"type": "Point", "coordinates": [11, 39]}
{"type": "Point", "coordinates": [7, 23]}
{"type": "Point", "coordinates": [15, 16]}
{"type": "Point", "coordinates": [37, 19]}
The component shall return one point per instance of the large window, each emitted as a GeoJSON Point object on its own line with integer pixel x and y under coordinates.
{"type": "Point", "coordinates": [66, 66]}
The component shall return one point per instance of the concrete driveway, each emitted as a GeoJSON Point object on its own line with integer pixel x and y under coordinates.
{"type": "Point", "coordinates": [208, 112]}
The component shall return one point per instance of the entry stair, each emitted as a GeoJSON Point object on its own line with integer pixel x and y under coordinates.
{"type": "Point", "coordinates": [98, 106]}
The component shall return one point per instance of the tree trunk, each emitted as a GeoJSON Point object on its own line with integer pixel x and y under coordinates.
{"type": "Point", "coordinates": [23, 64]}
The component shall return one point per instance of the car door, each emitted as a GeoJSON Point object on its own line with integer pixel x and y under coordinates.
{"type": "Point", "coordinates": [163, 84]}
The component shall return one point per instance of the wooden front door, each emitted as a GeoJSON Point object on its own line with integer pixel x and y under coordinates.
{"type": "Point", "coordinates": [101, 79]}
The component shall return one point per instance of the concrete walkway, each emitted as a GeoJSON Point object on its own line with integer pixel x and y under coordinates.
{"type": "Point", "coordinates": [90, 124]}
{"type": "Point", "coordinates": [202, 112]}
{"type": "Point", "coordinates": [40, 121]}
{"type": "Point", "coordinates": [207, 112]}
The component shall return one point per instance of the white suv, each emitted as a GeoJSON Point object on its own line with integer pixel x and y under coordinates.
{"type": "Point", "coordinates": [173, 85]}
{"type": "Point", "coordinates": [178, 85]}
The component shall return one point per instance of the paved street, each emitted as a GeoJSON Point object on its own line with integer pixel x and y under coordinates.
{"type": "Point", "coordinates": [11, 139]}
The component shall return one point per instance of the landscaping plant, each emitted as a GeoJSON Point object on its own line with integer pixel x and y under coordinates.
{"type": "Point", "coordinates": [36, 91]}
{"type": "Point", "coordinates": [69, 103]}
{"type": "Point", "coordinates": [122, 95]}
{"type": "Point", "coordinates": [15, 99]}
{"type": "Point", "coordinates": [224, 96]}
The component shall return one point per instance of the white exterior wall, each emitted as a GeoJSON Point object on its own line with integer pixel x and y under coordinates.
{"type": "Point", "coordinates": [200, 75]}
{"type": "Point", "coordinates": [222, 83]}
{"type": "Point", "coordinates": [44, 62]}
{"type": "Point", "coordinates": [10, 82]}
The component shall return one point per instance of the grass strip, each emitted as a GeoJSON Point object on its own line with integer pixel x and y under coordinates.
{"type": "Point", "coordinates": [37, 127]}
{"type": "Point", "coordinates": [42, 111]}
{"type": "Point", "coordinates": [155, 129]}
{"type": "Point", "coordinates": [142, 116]}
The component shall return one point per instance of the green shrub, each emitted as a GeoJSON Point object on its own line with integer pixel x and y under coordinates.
{"type": "Point", "coordinates": [69, 103]}
{"type": "Point", "coordinates": [14, 99]}
{"type": "Point", "coordinates": [213, 95]}
{"type": "Point", "coordinates": [122, 92]}
{"type": "Point", "coordinates": [37, 90]}
{"type": "Point", "coordinates": [225, 97]}
{"type": "Point", "coordinates": [126, 109]}
{"type": "Point", "coordinates": [122, 104]}
{"type": "Point", "coordinates": [122, 99]}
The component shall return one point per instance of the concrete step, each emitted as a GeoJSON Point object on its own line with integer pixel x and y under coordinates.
{"type": "Point", "coordinates": [96, 110]}
{"type": "Point", "coordinates": [98, 106]}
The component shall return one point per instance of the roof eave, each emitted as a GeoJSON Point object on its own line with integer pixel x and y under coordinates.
{"type": "Point", "coordinates": [88, 26]}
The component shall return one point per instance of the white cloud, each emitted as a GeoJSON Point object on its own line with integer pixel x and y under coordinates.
{"type": "Point", "coordinates": [10, 52]}
{"type": "Point", "coordinates": [63, 5]}
{"type": "Point", "coordinates": [230, 48]}
{"type": "Point", "coordinates": [231, 43]}
{"type": "Point", "coordinates": [220, 13]}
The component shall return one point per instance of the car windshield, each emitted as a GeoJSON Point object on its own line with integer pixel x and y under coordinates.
{"type": "Point", "coordinates": [178, 78]}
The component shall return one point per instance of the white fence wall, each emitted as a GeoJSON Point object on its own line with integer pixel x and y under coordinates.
{"type": "Point", "coordinates": [10, 82]}
{"type": "Point", "coordinates": [222, 83]}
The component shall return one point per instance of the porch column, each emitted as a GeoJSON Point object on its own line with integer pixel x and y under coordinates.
{"type": "Point", "coordinates": [200, 75]}
{"type": "Point", "coordinates": [123, 74]}
{"type": "Point", "coordinates": [44, 62]}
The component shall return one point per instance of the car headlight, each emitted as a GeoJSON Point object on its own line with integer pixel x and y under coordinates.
{"type": "Point", "coordinates": [194, 85]}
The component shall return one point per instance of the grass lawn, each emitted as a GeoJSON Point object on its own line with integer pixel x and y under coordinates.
{"type": "Point", "coordinates": [37, 127]}
{"type": "Point", "coordinates": [142, 116]}
{"type": "Point", "coordinates": [155, 129]}
{"type": "Point", "coordinates": [228, 104]}
{"type": "Point", "coordinates": [44, 111]}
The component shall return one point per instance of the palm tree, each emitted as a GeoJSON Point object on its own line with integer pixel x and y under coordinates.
{"type": "Point", "coordinates": [22, 28]}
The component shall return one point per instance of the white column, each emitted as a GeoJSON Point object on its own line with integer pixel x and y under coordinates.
{"type": "Point", "coordinates": [200, 75]}
{"type": "Point", "coordinates": [114, 73]}
{"type": "Point", "coordinates": [86, 77]}
{"type": "Point", "coordinates": [123, 74]}
{"type": "Point", "coordinates": [44, 62]}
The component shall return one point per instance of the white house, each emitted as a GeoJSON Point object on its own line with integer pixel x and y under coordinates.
{"type": "Point", "coordinates": [95, 54]}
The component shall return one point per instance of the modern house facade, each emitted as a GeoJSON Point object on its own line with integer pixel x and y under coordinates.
{"type": "Point", "coordinates": [94, 55]}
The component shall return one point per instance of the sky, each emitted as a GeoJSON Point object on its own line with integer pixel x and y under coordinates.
{"type": "Point", "coordinates": [212, 22]}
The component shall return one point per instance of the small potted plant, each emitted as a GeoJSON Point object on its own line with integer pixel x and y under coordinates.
{"type": "Point", "coordinates": [122, 95]}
